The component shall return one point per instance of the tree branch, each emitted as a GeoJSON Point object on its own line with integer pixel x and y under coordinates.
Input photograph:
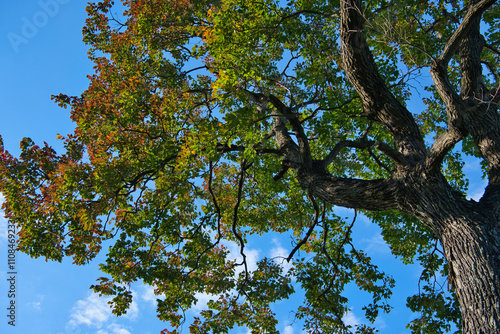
{"type": "Point", "coordinates": [224, 148]}
{"type": "Point", "coordinates": [391, 153]}
{"type": "Point", "coordinates": [454, 104]}
{"type": "Point", "coordinates": [298, 155]}
{"type": "Point", "coordinates": [379, 103]}
{"type": "Point", "coordinates": [297, 128]}
{"type": "Point", "coordinates": [241, 181]}
{"type": "Point", "coordinates": [285, 142]}
{"type": "Point", "coordinates": [456, 107]}
{"type": "Point", "coordinates": [453, 43]}
{"type": "Point", "coordinates": [309, 232]}
{"type": "Point", "coordinates": [345, 143]}
{"type": "Point", "coordinates": [440, 148]}
{"type": "Point", "coordinates": [373, 195]}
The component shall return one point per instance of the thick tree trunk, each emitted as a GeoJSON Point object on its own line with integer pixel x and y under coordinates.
{"type": "Point", "coordinates": [472, 247]}
{"type": "Point", "coordinates": [469, 233]}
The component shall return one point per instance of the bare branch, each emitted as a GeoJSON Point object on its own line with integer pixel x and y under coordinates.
{"type": "Point", "coordinates": [285, 166]}
{"type": "Point", "coordinates": [491, 69]}
{"type": "Point", "coordinates": [492, 48]}
{"type": "Point", "coordinates": [450, 97]}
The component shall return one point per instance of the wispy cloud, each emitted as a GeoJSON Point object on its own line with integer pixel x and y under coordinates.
{"type": "Point", "coordinates": [474, 172]}
{"type": "Point", "coordinates": [376, 244]}
{"type": "Point", "coordinates": [94, 311]}
{"type": "Point", "coordinates": [148, 294]}
{"type": "Point", "coordinates": [380, 323]}
{"type": "Point", "coordinates": [288, 330]}
{"type": "Point", "coordinates": [252, 256]}
{"type": "Point", "coordinates": [351, 319]}
{"type": "Point", "coordinates": [472, 165]}
{"type": "Point", "coordinates": [279, 254]}
{"type": "Point", "coordinates": [114, 329]}
{"type": "Point", "coordinates": [476, 190]}
{"type": "Point", "coordinates": [202, 301]}
{"type": "Point", "coordinates": [37, 305]}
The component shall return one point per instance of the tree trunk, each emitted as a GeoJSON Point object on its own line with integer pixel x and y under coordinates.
{"type": "Point", "coordinates": [471, 243]}
{"type": "Point", "coordinates": [469, 233]}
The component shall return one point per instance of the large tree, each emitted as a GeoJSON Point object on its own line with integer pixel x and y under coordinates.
{"type": "Point", "coordinates": [207, 122]}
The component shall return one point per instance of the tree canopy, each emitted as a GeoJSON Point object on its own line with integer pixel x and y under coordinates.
{"type": "Point", "coordinates": [208, 122]}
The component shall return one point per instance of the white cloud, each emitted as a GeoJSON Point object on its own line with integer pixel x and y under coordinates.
{"type": "Point", "coordinates": [288, 330]}
{"type": "Point", "coordinates": [279, 255]}
{"type": "Point", "coordinates": [380, 323]}
{"type": "Point", "coordinates": [95, 311]}
{"type": "Point", "coordinates": [36, 305]}
{"type": "Point", "coordinates": [473, 170]}
{"type": "Point", "coordinates": [133, 311]}
{"type": "Point", "coordinates": [148, 294]}
{"type": "Point", "coordinates": [345, 213]}
{"type": "Point", "coordinates": [3, 221]}
{"type": "Point", "coordinates": [252, 256]}
{"type": "Point", "coordinates": [92, 310]}
{"type": "Point", "coordinates": [202, 301]}
{"type": "Point", "coordinates": [3, 230]}
{"type": "Point", "coordinates": [351, 319]}
{"type": "Point", "coordinates": [472, 165]}
{"type": "Point", "coordinates": [114, 329]}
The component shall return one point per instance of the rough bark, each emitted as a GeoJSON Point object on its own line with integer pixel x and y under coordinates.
{"type": "Point", "coordinates": [472, 244]}
{"type": "Point", "coordinates": [470, 237]}
{"type": "Point", "coordinates": [468, 231]}
{"type": "Point", "coordinates": [379, 103]}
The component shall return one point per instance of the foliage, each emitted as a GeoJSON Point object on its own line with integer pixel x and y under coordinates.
{"type": "Point", "coordinates": [173, 158]}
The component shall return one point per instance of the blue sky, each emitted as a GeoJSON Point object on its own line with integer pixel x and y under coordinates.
{"type": "Point", "coordinates": [41, 54]}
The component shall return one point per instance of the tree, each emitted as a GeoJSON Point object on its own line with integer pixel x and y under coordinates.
{"type": "Point", "coordinates": [211, 121]}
